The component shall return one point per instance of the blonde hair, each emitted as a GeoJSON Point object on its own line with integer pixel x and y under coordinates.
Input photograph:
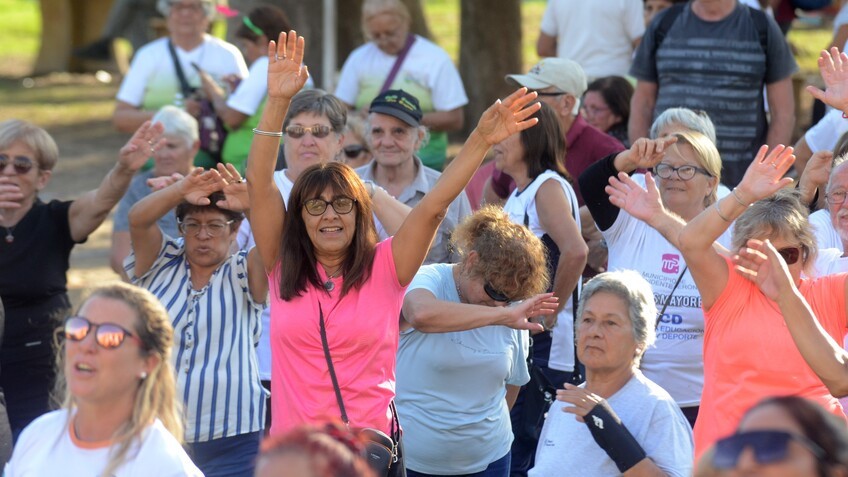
{"type": "Point", "coordinates": [156, 394]}
{"type": "Point", "coordinates": [372, 8]}
{"type": "Point", "coordinates": [34, 137]}
{"type": "Point", "coordinates": [510, 257]}
{"type": "Point", "coordinates": [707, 156]}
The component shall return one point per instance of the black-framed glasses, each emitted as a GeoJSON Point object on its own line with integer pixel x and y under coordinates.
{"type": "Point", "coordinates": [354, 150]}
{"type": "Point", "coordinates": [790, 254]}
{"type": "Point", "coordinates": [342, 205]}
{"type": "Point", "coordinates": [685, 173]}
{"type": "Point", "coordinates": [832, 198]}
{"type": "Point", "coordinates": [107, 335]}
{"type": "Point", "coordinates": [21, 164]}
{"type": "Point", "coordinates": [318, 131]}
{"type": "Point", "coordinates": [768, 447]}
{"type": "Point", "coordinates": [213, 229]}
{"type": "Point", "coordinates": [494, 294]}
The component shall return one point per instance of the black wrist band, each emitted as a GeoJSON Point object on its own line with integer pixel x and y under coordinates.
{"type": "Point", "coordinates": [611, 435]}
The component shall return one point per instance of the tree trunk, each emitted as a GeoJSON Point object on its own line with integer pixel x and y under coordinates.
{"type": "Point", "coordinates": [490, 48]}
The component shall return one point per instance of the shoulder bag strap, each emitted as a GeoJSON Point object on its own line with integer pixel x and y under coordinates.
{"type": "Point", "coordinates": [330, 366]}
{"type": "Point", "coordinates": [186, 89]}
{"type": "Point", "coordinates": [668, 298]}
{"type": "Point", "coordinates": [410, 39]}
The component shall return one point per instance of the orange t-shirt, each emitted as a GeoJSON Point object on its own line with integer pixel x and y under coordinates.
{"type": "Point", "coordinates": [749, 353]}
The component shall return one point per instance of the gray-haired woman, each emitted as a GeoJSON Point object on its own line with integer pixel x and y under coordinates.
{"type": "Point", "coordinates": [633, 423]}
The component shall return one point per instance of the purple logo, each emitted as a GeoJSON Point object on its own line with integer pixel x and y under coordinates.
{"type": "Point", "coordinates": [670, 263]}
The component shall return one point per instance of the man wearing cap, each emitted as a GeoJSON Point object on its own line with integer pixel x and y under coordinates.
{"type": "Point", "coordinates": [394, 134]}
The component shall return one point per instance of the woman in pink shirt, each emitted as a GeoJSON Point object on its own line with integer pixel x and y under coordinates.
{"type": "Point", "coordinates": [326, 265]}
{"type": "Point", "coordinates": [748, 351]}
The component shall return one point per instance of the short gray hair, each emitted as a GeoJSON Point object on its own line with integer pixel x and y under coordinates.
{"type": "Point", "coordinates": [685, 117]}
{"type": "Point", "coordinates": [636, 293]}
{"type": "Point", "coordinates": [164, 7]}
{"type": "Point", "coordinates": [177, 122]}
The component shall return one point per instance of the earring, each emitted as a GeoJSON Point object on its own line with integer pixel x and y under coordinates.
{"type": "Point", "coordinates": [143, 375]}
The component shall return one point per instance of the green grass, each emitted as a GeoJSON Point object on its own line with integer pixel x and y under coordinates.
{"type": "Point", "coordinates": [808, 43]}
{"type": "Point", "coordinates": [20, 25]}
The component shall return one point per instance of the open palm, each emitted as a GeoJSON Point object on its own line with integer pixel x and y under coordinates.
{"type": "Point", "coordinates": [760, 263]}
{"type": "Point", "coordinates": [764, 176]}
{"type": "Point", "coordinates": [507, 117]}
{"type": "Point", "coordinates": [198, 185]}
{"type": "Point", "coordinates": [286, 72]}
{"type": "Point", "coordinates": [833, 66]}
{"type": "Point", "coordinates": [236, 197]}
{"type": "Point", "coordinates": [143, 143]}
{"type": "Point", "coordinates": [630, 197]}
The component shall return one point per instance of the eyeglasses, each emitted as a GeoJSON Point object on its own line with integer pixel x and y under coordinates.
{"type": "Point", "coordinates": [342, 205]}
{"type": "Point", "coordinates": [685, 173]}
{"type": "Point", "coordinates": [494, 294]}
{"type": "Point", "coordinates": [354, 150]}
{"type": "Point", "coordinates": [318, 131]}
{"type": "Point", "coordinates": [832, 198]}
{"type": "Point", "coordinates": [21, 164]}
{"type": "Point", "coordinates": [213, 229]}
{"type": "Point", "coordinates": [790, 254]}
{"type": "Point", "coordinates": [107, 335]}
{"type": "Point", "coordinates": [768, 446]}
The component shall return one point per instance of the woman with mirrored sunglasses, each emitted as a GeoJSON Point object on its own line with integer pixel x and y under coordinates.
{"type": "Point", "coordinates": [330, 269]}
{"type": "Point", "coordinates": [119, 414]}
{"type": "Point", "coordinates": [36, 239]}
{"type": "Point", "coordinates": [463, 341]}
{"type": "Point", "coordinates": [745, 327]}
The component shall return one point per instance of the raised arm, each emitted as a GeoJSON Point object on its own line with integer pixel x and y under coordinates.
{"type": "Point", "coordinates": [763, 178]}
{"type": "Point", "coordinates": [412, 241]}
{"type": "Point", "coordinates": [761, 264]}
{"type": "Point", "coordinates": [286, 76]}
{"type": "Point", "coordinates": [90, 210]}
{"type": "Point", "coordinates": [389, 211]}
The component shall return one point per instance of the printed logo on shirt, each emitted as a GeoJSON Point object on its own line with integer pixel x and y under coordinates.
{"type": "Point", "coordinates": [549, 443]}
{"type": "Point", "coordinates": [670, 263]}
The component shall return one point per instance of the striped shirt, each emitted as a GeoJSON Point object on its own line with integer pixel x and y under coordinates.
{"type": "Point", "coordinates": [216, 330]}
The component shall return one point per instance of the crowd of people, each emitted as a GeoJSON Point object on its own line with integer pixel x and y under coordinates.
{"type": "Point", "coordinates": [634, 284]}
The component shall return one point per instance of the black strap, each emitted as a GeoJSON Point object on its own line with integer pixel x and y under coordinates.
{"type": "Point", "coordinates": [331, 368]}
{"type": "Point", "coordinates": [668, 298]}
{"type": "Point", "coordinates": [186, 89]}
{"type": "Point", "coordinates": [410, 39]}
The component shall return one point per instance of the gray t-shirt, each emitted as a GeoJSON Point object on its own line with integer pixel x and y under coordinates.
{"type": "Point", "coordinates": [718, 67]}
{"type": "Point", "coordinates": [138, 190]}
{"type": "Point", "coordinates": [451, 388]}
{"type": "Point", "coordinates": [649, 414]}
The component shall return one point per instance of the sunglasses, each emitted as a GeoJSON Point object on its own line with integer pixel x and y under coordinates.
{"type": "Point", "coordinates": [21, 164]}
{"type": "Point", "coordinates": [354, 150]}
{"type": "Point", "coordinates": [790, 254]}
{"type": "Point", "coordinates": [768, 447]}
{"type": "Point", "coordinates": [318, 131]}
{"type": "Point", "coordinates": [494, 294]}
{"type": "Point", "coordinates": [342, 205]}
{"type": "Point", "coordinates": [107, 335]}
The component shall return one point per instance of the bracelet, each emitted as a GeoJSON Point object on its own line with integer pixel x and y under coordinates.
{"type": "Point", "coordinates": [718, 211]}
{"type": "Point", "coordinates": [260, 132]}
{"type": "Point", "coordinates": [736, 196]}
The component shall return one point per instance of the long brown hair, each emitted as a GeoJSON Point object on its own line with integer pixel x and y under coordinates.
{"type": "Point", "coordinates": [297, 255]}
{"type": "Point", "coordinates": [544, 145]}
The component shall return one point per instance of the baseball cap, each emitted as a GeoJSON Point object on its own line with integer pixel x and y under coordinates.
{"type": "Point", "coordinates": [563, 74]}
{"type": "Point", "coordinates": [399, 104]}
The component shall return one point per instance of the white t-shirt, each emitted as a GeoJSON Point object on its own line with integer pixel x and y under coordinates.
{"type": "Point", "coordinates": [826, 236]}
{"type": "Point", "coordinates": [825, 134]}
{"type": "Point", "coordinates": [245, 241]}
{"type": "Point", "coordinates": [676, 361]}
{"type": "Point", "coordinates": [649, 414]}
{"type": "Point", "coordinates": [47, 447]}
{"type": "Point", "coordinates": [517, 205]}
{"type": "Point", "coordinates": [152, 82]}
{"type": "Point", "coordinates": [577, 26]}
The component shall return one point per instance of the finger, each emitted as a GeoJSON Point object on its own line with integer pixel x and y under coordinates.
{"type": "Point", "coordinates": [667, 141]}
{"type": "Point", "coordinates": [527, 112]}
{"type": "Point", "coordinates": [761, 155]}
{"type": "Point", "coordinates": [836, 59]}
{"type": "Point", "coordinates": [527, 124]}
{"type": "Point", "coordinates": [518, 96]}
{"type": "Point", "coordinates": [816, 93]}
{"type": "Point", "coordinates": [299, 51]}
{"type": "Point", "coordinates": [746, 273]}
{"type": "Point", "coordinates": [272, 47]}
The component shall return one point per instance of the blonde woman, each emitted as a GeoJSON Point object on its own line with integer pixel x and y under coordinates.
{"type": "Point", "coordinates": [119, 415]}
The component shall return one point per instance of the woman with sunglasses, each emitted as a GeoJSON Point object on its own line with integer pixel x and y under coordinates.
{"type": "Point", "coordinates": [355, 151]}
{"type": "Point", "coordinates": [321, 252]}
{"type": "Point", "coordinates": [36, 239]}
{"type": "Point", "coordinates": [119, 412]}
{"type": "Point", "coordinates": [214, 298]}
{"type": "Point", "coordinates": [745, 329]}
{"type": "Point", "coordinates": [463, 350]}
{"type": "Point", "coordinates": [641, 235]}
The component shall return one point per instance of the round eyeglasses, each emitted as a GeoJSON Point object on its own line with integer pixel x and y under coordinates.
{"type": "Point", "coordinates": [20, 164]}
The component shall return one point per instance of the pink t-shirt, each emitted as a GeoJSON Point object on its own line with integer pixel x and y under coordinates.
{"type": "Point", "coordinates": [362, 332]}
{"type": "Point", "coordinates": [749, 353]}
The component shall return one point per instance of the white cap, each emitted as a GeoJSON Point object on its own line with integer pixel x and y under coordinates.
{"type": "Point", "coordinates": [565, 75]}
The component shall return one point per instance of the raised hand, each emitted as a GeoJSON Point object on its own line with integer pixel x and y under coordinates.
{"type": "Point", "coordinates": [538, 305]}
{"type": "Point", "coordinates": [582, 401]}
{"type": "Point", "coordinates": [507, 117]}
{"type": "Point", "coordinates": [833, 66]}
{"type": "Point", "coordinates": [198, 185]}
{"type": "Point", "coordinates": [630, 197]}
{"type": "Point", "coordinates": [764, 176]}
{"type": "Point", "coordinates": [762, 264]}
{"type": "Point", "coordinates": [141, 146]}
{"type": "Point", "coordinates": [161, 182]}
{"type": "Point", "coordinates": [645, 153]}
{"type": "Point", "coordinates": [816, 174]}
{"type": "Point", "coordinates": [286, 72]}
{"type": "Point", "coordinates": [235, 189]}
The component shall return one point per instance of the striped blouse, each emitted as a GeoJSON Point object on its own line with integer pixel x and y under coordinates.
{"type": "Point", "coordinates": [216, 330]}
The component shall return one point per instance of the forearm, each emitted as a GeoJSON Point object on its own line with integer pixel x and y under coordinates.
{"type": "Point", "coordinates": [701, 232]}
{"type": "Point", "coordinates": [438, 316]}
{"type": "Point", "coordinates": [458, 173]}
{"type": "Point", "coordinates": [668, 225]}
{"type": "Point", "coordinates": [264, 149]}
{"type": "Point", "coordinates": [641, 112]}
{"type": "Point", "coordinates": [146, 213]}
{"type": "Point", "coordinates": [390, 211]}
{"type": "Point", "coordinates": [568, 273]}
{"type": "Point", "coordinates": [592, 182]}
{"type": "Point", "coordinates": [645, 468]}
{"type": "Point", "coordinates": [780, 129]}
{"type": "Point", "coordinates": [444, 120]}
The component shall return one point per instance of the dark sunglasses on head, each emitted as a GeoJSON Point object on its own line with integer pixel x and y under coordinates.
{"type": "Point", "coordinates": [768, 447]}
{"type": "Point", "coordinates": [21, 164]}
{"type": "Point", "coordinates": [354, 150]}
{"type": "Point", "coordinates": [342, 205]}
{"type": "Point", "coordinates": [494, 294]}
{"type": "Point", "coordinates": [318, 131]}
{"type": "Point", "coordinates": [790, 254]}
{"type": "Point", "coordinates": [107, 335]}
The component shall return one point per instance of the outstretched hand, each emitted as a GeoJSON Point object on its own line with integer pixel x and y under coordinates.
{"type": "Point", "coordinates": [764, 176]}
{"type": "Point", "coordinates": [234, 187]}
{"type": "Point", "coordinates": [630, 197]}
{"type": "Point", "coordinates": [762, 264]}
{"type": "Point", "coordinates": [286, 72]}
{"type": "Point", "coordinates": [538, 305]}
{"type": "Point", "coordinates": [507, 117]}
{"type": "Point", "coordinates": [141, 146]}
{"type": "Point", "coordinates": [198, 185]}
{"type": "Point", "coordinates": [833, 66]}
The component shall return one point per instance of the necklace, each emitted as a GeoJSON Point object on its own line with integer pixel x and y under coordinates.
{"type": "Point", "coordinates": [10, 237]}
{"type": "Point", "coordinates": [329, 285]}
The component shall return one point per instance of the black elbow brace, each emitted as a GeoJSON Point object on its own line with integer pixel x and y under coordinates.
{"type": "Point", "coordinates": [613, 437]}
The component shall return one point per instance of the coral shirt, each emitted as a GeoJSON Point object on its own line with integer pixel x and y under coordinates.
{"type": "Point", "coordinates": [749, 353]}
{"type": "Point", "coordinates": [362, 332]}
